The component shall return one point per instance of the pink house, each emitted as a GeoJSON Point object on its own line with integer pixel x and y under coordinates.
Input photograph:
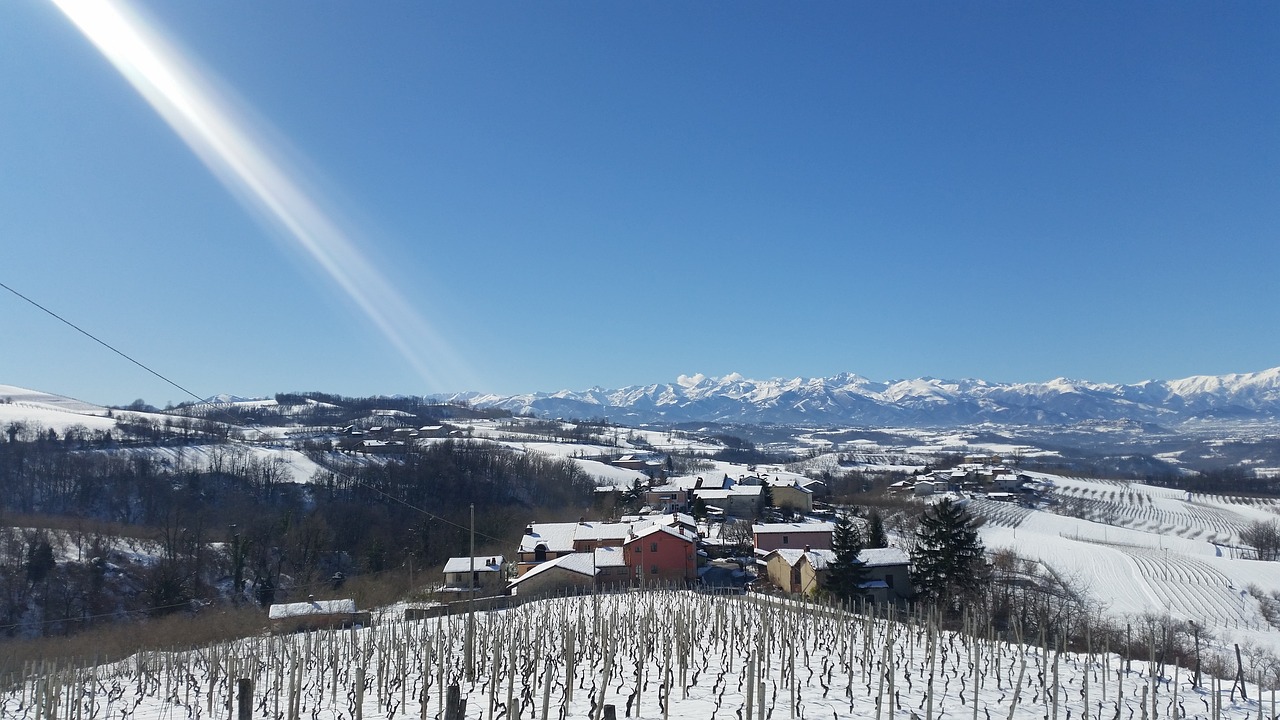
{"type": "Point", "coordinates": [661, 554]}
{"type": "Point", "coordinates": [792, 536]}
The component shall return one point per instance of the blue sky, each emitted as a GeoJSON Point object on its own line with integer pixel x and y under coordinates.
{"type": "Point", "coordinates": [579, 194]}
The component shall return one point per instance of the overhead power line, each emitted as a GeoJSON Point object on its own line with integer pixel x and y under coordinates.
{"type": "Point", "coordinates": [94, 338]}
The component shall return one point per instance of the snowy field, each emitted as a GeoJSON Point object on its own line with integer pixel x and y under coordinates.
{"type": "Point", "coordinates": [19, 405]}
{"type": "Point", "coordinates": [650, 655]}
{"type": "Point", "coordinates": [1136, 550]}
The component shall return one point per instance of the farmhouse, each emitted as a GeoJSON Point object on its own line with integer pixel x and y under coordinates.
{"type": "Point", "coordinates": [1007, 482]}
{"type": "Point", "coordinates": [888, 574]}
{"type": "Point", "coordinates": [739, 500]}
{"type": "Point", "coordinates": [314, 615]}
{"type": "Point", "coordinates": [668, 498]}
{"type": "Point", "coordinates": [484, 573]}
{"type": "Point", "coordinates": [658, 548]}
{"type": "Point", "coordinates": [929, 487]}
{"type": "Point", "coordinates": [661, 554]}
{"type": "Point", "coordinates": [791, 494]}
{"type": "Point", "coordinates": [804, 571]}
{"type": "Point", "coordinates": [800, 571]}
{"type": "Point", "coordinates": [795, 536]}
{"type": "Point", "coordinates": [567, 574]}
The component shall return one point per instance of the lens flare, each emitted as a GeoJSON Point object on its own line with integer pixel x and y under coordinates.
{"type": "Point", "coordinates": [208, 125]}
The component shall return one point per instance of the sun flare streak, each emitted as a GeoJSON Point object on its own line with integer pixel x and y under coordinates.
{"type": "Point", "coordinates": [208, 126]}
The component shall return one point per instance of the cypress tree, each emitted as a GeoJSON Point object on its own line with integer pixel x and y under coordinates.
{"type": "Point", "coordinates": [876, 537]}
{"type": "Point", "coordinates": [947, 562]}
{"type": "Point", "coordinates": [846, 573]}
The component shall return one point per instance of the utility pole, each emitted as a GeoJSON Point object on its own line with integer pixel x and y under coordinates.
{"type": "Point", "coordinates": [471, 602]}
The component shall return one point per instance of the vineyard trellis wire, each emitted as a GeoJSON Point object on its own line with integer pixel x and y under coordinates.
{"type": "Point", "coordinates": [654, 654]}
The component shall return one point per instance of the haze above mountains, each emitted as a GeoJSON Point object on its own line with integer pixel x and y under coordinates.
{"type": "Point", "coordinates": [849, 398]}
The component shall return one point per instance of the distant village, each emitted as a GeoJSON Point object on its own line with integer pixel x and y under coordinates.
{"type": "Point", "coordinates": [761, 531]}
{"type": "Point", "coordinates": [681, 536]}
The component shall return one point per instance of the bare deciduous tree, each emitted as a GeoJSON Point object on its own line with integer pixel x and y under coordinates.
{"type": "Point", "coordinates": [1264, 538]}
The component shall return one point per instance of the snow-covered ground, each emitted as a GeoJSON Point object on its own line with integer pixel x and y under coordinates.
{"type": "Point", "coordinates": [651, 655]}
{"type": "Point", "coordinates": [20, 405]}
{"type": "Point", "coordinates": [285, 464]}
{"type": "Point", "coordinates": [1142, 550]}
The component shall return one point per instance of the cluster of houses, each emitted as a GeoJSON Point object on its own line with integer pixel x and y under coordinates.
{"type": "Point", "coordinates": [725, 496]}
{"type": "Point", "coordinates": [796, 556]}
{"type": "Point", "coordinates": [996, 481]}
{"type": "Point", "coordinates": [390, 439]}
{"type": "Point", "coordinates": [663, 550]}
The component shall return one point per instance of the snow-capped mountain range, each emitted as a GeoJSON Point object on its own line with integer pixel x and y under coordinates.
{"type": "Point", "coordinates": [852, 399]}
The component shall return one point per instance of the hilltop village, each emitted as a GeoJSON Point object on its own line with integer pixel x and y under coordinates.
{"type": "Point", "coordinates": [765, 532]}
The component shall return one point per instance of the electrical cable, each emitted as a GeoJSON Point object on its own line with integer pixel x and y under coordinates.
{"type": "Point", "coordinates": [106, 345]}
{"type": "Point", "coordinates": [94, 338]}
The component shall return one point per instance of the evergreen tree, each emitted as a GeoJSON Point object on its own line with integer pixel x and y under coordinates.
{"type": "Point", "coordinates": [766, 497]}
{"type": "Point", "coordinates": [876, 537]}
{"type": "Point", "coordinates": [947, 562]}
{"type": "Point", "coordinates": [846, 573]}
{"type": "Point", "coordinates": [698, 508]}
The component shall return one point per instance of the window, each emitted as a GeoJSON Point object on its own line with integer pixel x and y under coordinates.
{"type": "Point", "coordinates": [639, 571]}
{"type": "Point", "coordinates": [637, 548]}
{"type": "Point", "coordinates": [786, 540]}
{"type": "Point", "coordinates": [540, 553]}
{"type": "Point", "coordinates": [888, 579]}
{"type": "Point", "coordinates": [653, 547]}
{"type": "Point", "coordinates": [654, 569]}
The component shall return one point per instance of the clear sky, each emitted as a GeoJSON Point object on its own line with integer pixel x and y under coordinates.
{"type": "Point", "coordinates": [569, 194]}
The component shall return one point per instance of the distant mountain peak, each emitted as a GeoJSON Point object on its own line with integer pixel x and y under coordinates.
{"type": "Point", "coordinates": [847, 398]}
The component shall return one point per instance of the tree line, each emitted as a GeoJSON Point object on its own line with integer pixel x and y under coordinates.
{"type": "Point", "coordinates": [233, 526]}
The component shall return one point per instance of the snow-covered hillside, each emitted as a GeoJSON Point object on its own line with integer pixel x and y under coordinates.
{"type": "Point", "coordinates": [1138, 550]}
{"type": "Point", "coordinates": [49, 411]}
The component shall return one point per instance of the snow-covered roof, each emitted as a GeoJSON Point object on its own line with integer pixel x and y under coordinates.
{"type": "Point", "coordinates": [788, 483]}
{"type": "Point", "coordinates": [879, 557]}
{"type": "Point", "coordinates": [594, 531]}
{"type": "Point", "coordinates": [674, 531]}
{"type": "Point", "coordinates": [311, 607]}
{"type": "Point", "coordinates": [558, 537]}
{"type": "Point", "coordinates": [818, 559]}
{"type": "Point", "coordinates": [707, 481]}
{"type": "Point", "coordinates": [872, 557]}
{"type": "Point", "coordinates": [580, 563]}
{"type": "Point", "coordinates": [638, 521]}
{"type": "Point", "coordinates": [487, 563]}
{"type": "Point", "coordinates": [610, 557]}
{"type": "Point", "coordinates": [717, 494]}
{"type": "Point", "coordinates": [773, 528]}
